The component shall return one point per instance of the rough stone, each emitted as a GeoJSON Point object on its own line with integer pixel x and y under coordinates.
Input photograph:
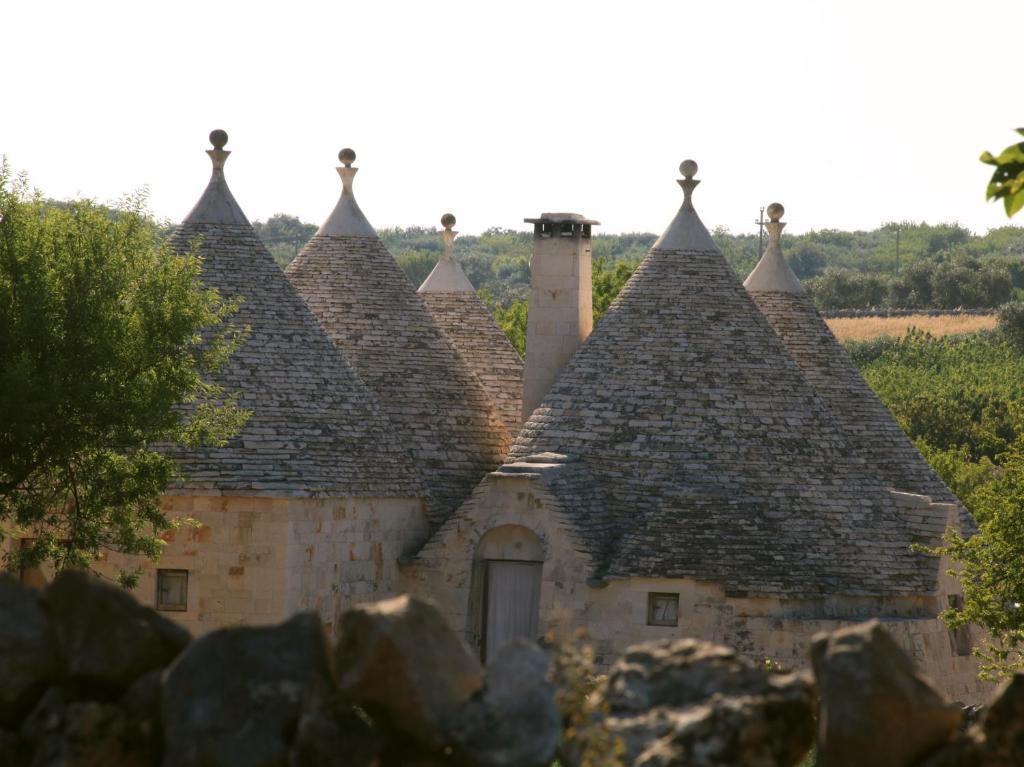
{"type": "Point", "coordinates": [688, 702]}
{"type": "Point", "coordinates": [401, 661]}
{"type": "Point", "coordinates": [236, 696]}
{"type": "Point", "coordinates": [28, 651]}
{"type": "Point", "coordinates": [514, 721]}
{"type": "Point", "coordinates": [105, 637]}
{"type": "Point", "coordinates": [335, 736]}
{"type": "Point", "coordinates": [66, 732]}
{"type": "Point", "coordinates": [1003, 726]}
{"type": "Point", "coordinates": [141, 704]}
{"type": "Point", "coordinates": [875, 708]}
{"type": "Point", "coordinates": [9, 749]}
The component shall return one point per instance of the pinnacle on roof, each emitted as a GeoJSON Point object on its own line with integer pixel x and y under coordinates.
{"type": "Point", "coordinates": [772, 273]}
{"type": "Point", "coordinates": [217, 205]}
{"type": "Point", "coordinates": [347, 218]}
{"type": "Point", "coordinates": [687, 231]}
{"type": "Point", "coordinates": [447, 276]}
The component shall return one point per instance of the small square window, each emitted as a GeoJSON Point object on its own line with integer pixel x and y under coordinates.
{"type": "Point", "coordinates": [662, 609]}
{"type": "Point", "coordinates": [172, 590]}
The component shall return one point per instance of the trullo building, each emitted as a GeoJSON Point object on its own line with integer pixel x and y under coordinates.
{"type": "Point", "coordinates": [436, 405]}
{"type": "Point", "coordinates": [706, 462]}
{"type": "Point", "coordinates": [310, 506]}
{"type": "Point", "coordinates": [452, 301]}
{"type": "Point", "coordinates": [686, 475]}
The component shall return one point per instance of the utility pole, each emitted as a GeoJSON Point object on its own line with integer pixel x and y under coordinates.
{"type": "Point", "coordinates": [897, 250]}
{"type": "Point", "coordinates": [760, 234]}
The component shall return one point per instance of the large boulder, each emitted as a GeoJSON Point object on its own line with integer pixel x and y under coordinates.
{"type": "Point", "coordinates": [689, 702]}
{"type": "Point", "coordinates": [236, 696]}
{"type": "Point", "coordinates": [335, 736]}
{"type": "Point", "coordinates": [875, 708]}
{"type": "Point", "coordinates": [10, 751]}
{"type": "Point", "coordinates": [141, 704]}
{"type": "Point", "coordinates": [1003, 726]}
{"type": "Point", "coordinates": [514, 721]}
{"type": "Point", "coordinates": [28, 651]}
{"type": "Point", "coordinates": [107, 639]}
{"type": "Point", "coordinates": [65, 731]}
{"type": "Point", "coordinates": [401, 661]}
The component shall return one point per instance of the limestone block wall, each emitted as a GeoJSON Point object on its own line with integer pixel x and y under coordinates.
{"type": "Point", "coordinates": [616, 614]}
{"type": "Point", "coordinates": [235, 558]}
{"type": "Point", "coordinates": [256, 560]}
{"type": "Point", "coordinates": [345, 551]}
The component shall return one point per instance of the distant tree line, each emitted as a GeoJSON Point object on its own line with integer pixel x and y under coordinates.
{"type": "Point", "coordinates": [898, 265]}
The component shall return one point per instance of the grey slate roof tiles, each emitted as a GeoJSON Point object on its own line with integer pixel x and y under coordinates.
{"type": "Point", "coordinates": [455, 306]}
{"type": "Point", "coordinates": [716, 458]}
{"type": "Point", "coordinates": [315, 427]}
{"type": "Point", "coordinates": [870, 428]}
{"type": "Point", "coordinates": [437, 406]}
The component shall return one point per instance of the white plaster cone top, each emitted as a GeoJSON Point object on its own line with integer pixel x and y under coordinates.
{"type": "Point", "coordinates": [447, 276]}
{"type": "Point", "coordinates": [217, 205]}
{"type": "Point", "coordinates": [772, 273]}
{"type": "Point", "coordinates": [687, 231]}
{"type": "Point", "coordinates": [346, 218]}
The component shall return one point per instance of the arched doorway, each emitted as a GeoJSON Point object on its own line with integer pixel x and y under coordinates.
{"type": "Point", "coordinates": [510, 560]}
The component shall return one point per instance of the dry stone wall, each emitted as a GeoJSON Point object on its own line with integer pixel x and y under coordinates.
{"type": "Point", "coordinates": [89, 677]}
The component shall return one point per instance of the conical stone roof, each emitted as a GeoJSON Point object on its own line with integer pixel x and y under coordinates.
{"type": "Point", "coordinates": [868, 425]}
{"type": "Point", "coordinates": [454, 304]}
{"type": "Point", "coordinates": [717, 459]}
{"type": "Point", "coordinates": [315, 427]}
{"type": "Point", "coordinates": [371, 311]}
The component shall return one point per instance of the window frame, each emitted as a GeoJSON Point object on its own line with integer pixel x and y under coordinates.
{"type": "Point", "coordinates": [161, 573]}
{"type": "Point", "coordinates": [652, 597]}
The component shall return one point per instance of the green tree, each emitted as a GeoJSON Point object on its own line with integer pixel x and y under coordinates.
{"type": "Point", "coordinates": [107, 339]}
{"type": "Point", "coordinates": [607, 280]}
{"type": "Point", "coordinates": [284, 236]}
{"type": "Point", "coordinates": [1007, 182]}
{"type": "Point", "coordinates": [989, 568]}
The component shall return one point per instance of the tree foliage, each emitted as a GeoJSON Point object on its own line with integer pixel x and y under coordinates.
{"type": "Point", "coordinates": [936, 266]}
{"type": "Point", "coordinates": [106, 341]}
{"type": "Point", "coordinates": [284, 236]}
{"type": "Point", "coordinates": [962, 401]}
{"type": "Point", "coordinates": [1007, 183]}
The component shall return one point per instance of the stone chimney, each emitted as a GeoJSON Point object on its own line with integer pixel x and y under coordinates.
{"type": "Point", "coordinates": [561, 312]}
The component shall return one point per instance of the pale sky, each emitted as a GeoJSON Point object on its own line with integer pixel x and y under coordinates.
{"type": "Point", "coordinates": [850, 114]}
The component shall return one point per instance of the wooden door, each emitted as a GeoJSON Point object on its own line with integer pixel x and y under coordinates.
{"type": "Point", "coordinates": [512, 608]}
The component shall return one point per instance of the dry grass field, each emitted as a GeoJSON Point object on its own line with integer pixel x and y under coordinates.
{"type": "Point", "coordinates": [866, 328]}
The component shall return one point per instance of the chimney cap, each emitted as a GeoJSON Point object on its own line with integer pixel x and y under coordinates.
{"type": "Point", "coordinates": [560, 218]}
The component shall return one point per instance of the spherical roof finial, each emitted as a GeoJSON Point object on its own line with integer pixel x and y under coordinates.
{"type": "Point", "coordinates": [688, 168]}
{"type": "Point", "coordinates": [448, 220]}
{"type": "Point", "coordinates": [218, 138]}
{"type": "Point", "coordinates": [775, 211]}
{"type": "Point", "coordinates": [347, 157]}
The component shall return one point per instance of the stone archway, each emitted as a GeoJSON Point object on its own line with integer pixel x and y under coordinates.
{"type": "Point", "coordinates": [510, 561]}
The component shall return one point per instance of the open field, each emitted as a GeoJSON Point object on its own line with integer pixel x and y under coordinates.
{"type": "Point", "coordinates": [866, 328]}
